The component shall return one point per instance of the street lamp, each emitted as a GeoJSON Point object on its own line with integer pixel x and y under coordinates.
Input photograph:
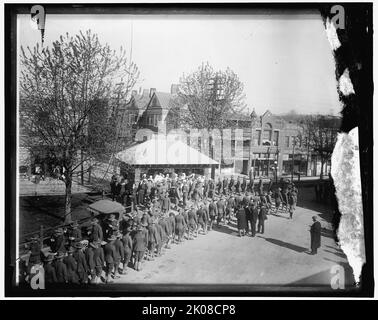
{"type": "Point", "coordinates": [276, 169]}
{"type": "Point", "coordinates": [253, 120]}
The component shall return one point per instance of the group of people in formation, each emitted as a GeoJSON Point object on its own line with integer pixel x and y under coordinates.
{"type": "Point", "coordinates": [166, 211]}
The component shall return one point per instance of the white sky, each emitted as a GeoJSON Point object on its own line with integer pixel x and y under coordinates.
{"type": "Point", "coordinates": [285, 62]}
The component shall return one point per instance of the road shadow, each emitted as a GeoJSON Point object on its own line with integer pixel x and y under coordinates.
{"type": "Point", "coordinates": [285, 244]}
{"type": "Point", "coordinates": [328, 233]}
{"type": "Point", "coordinates": [225, 229]}
{"type": "Point", "coordinates": [278, 215]}
{"type": "Point", "coordinates": [341, 255]}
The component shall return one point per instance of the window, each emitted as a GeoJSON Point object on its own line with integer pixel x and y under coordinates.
{"type": "Point", "coordinates": [287, 142]}
{"type": "Point", "coordinates": [233, 148]}
{"type": "Point", "coordinates": [150, 120]}
{"type": "Point", "coordinates": [275, 138]}
{"type": "Point", "coordinates": [267, 133]}
{"type": "Point", "coordinates": [246, 143]}
{"type": "Point", "coordinates": [257, 138]}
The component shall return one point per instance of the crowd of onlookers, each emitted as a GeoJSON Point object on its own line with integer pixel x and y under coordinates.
{"type": "Point", "coordinates": [166, 210]}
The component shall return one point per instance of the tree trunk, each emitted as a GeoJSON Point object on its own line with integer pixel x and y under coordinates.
{"type": "Point", "coordinates": [81, 168]}
{"type": "Point", "coordinates": [68, 198]}
{"type": "Point", "coordinates": [321, 169]}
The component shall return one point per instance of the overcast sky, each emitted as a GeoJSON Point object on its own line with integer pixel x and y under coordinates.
{"type": "Point", "coordinates": [285, 62]}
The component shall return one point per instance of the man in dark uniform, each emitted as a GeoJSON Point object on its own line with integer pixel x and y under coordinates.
{"type": "Point", "coordinates": [74, 233]}
{"type": "Point", "coordinates": [89, 255]}
{"type": "Point", "coordinates": [213, 213]}
{"type": "Point", "coordinates": [139, 246]}
{"type": "Point", "coordinates": [50, 274]}
{"type": "Point", "coordinates": [192, 222]}
{"type": "Point", "coordinates": [254, 217]}
{"type": "Point", "coordinates": [238, 186]}
{"type": "Point", "coordinates": [315, 232]}
{"type": "Point", "coordinates": [244, 185]}
{"type": "Point", "coordinates": [57, 242]}
{"type": "Point", "coordinates": [82, 267]}
{"type": "Point", "coordinates": [152, 239]}
{"type": "Point", "coordinates": [219, 186]}
{"type": "Point", "coordinates": [201, 217]}
{"type": "Point", "coordinates": [166, 203]}
{"type": "Point", "coordinates": [35, 253]}
{"type": "Point", "coordinates": [179, 226]}
{"type": "Point", "coordinates": [211, 188]}
{"type": "Point", "coordinates": [60, 268]}
{"type": "Point", "coordinates": [119, 253]}
{"type": "Point", "coordinates": [241, 218]}
{"type": "Point", "coordinates": [225, 186]}
{"type": "Point", "coordinates": [230, 208]}
{"type": "Point", "coordinates": [96, 231]}
{"type": "Point", "coordinates": [127, 248]}
{"type": "Point", "coordinates": [260, 187]}
{"type": "Point", "coordinates": [262, 218]}
{"type": "Point", "coordinates": [221, 207]}
{"type": "Point", "coordinates": [99, 260]}
{"type": "Point", "coordinates": [110, 226]}
{"type": "Point", "coordinates": [162, 237]}
{"type": "Point", "coordinates": [109, 255]}
{"type": "Point", "coordinates": [71, 265]}
{"type": "Point", "coordinates": [172, 221]}
{"type": "Point", "coordinates": [231, 185]}
{"type": "Point", "coordinates": [185, 192]}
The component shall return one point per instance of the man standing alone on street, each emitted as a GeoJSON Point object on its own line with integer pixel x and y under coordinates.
{"type": "Point", "coordinates": [315, 232]}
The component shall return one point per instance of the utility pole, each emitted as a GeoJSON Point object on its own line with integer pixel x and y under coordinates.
{"type": "Point", "coordinates": [253, 120]}
{"type": "Point", "coordinates": [292, 160]}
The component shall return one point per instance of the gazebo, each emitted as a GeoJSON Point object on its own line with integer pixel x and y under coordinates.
{"type": "Point", "coordinates": [162, 152]}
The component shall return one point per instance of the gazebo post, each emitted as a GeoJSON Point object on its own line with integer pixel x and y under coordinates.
{"type": "Point", "coordinates": [137, 174]}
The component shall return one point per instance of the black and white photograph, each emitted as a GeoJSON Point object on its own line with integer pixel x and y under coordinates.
{"type": "Point", "coordinates": [189, 149]}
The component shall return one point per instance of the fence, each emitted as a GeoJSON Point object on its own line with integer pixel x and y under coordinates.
{"type": "Point", "coordinates": [45, 233]}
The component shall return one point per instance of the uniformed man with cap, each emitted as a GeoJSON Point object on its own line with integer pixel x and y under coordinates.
{"type": "Point", "coordinates": [127, 242]}
{"type": "Point", "coordinates": [119, 253]}
{"type": "Point", "coordinates": [139, 246]}
{"type": "Point", "coordinates": [57, 242]}
{"type": "Point", "coordinates": [82, 267]}
{"type": "Point", "coordinates": [49, 271]}
{"type": "Point", "coordinates": [71, 265]}
{"type": "Point", "coordinates": [74, 233]}
{"type": "Point", "coordinates": [89, 254]}
{"type": "Point", "coordinates": [99, 260]}
{"type": "Point", "coordinates": [262, 218]}
{"type": "Point", "coordinates": [96, 233]}
{"type": "Point", "coordinates": [109, 255]}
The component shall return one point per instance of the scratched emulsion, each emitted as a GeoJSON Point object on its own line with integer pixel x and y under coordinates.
{"type": "Point", "coordinates": [345, 170]}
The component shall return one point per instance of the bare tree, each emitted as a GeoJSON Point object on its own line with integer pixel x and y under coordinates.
{"type": "Point", "coordinates": [67, 100]}
{"type": "Point", "coordinates": [206, 98]}
{"type": "Point", "coordinates": [319, 136]}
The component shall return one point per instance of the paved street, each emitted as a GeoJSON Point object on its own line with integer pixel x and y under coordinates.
{"type": "Point", "coordinates": [278, 257]}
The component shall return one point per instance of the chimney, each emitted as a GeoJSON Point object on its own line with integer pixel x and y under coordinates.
{"type": "Point", "coordinates": [152, 91]}
{"type": "Point", "coordinates": [174, 88]}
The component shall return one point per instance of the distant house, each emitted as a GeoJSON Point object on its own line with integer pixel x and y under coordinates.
{"type": "Point", "coordinates": [156, 114]}
{"type": "Point", "coordinates": [130, 115]}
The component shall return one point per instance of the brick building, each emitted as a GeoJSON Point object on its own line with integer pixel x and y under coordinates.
{"type": "Point", "coordinates": [272, 146]}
